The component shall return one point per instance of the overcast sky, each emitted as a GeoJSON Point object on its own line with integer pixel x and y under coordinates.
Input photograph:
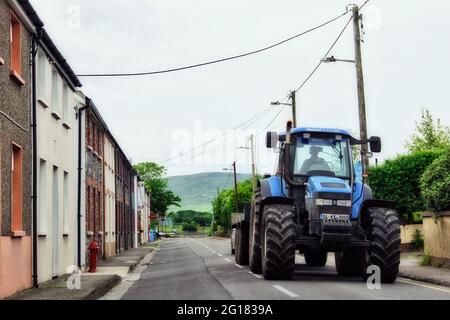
{"type": "Point", "coordinates": [406, 67]}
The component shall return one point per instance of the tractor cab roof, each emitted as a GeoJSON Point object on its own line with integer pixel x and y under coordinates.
{"type": "Point", "coordinates": [296, 131]}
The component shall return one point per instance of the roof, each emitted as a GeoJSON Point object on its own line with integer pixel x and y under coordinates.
{"type": "Point", "coordinates": [49, 44]}
{"type": "Point", "coordinates": [318, 130]}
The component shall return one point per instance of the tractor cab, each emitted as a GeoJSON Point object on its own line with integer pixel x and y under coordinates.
{"type": "Point", "coordinates": [316, 171]}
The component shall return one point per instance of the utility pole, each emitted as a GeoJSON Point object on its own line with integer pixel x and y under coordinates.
{"type": "Point", "coordinates": [252, 149]}
{"type": "Point", "coordinates": [294, 109]}
{"type": "Point", "coordinates": [235, 188]}
{"type": "Point", "coordinates": [360, 86]}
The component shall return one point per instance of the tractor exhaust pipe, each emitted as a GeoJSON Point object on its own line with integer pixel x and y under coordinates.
{"type": "Point", "coordinates": [288, 131]}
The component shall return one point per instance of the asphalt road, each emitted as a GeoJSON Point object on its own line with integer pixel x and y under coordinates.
{"type": "Point", "coordinates": [203, 269]}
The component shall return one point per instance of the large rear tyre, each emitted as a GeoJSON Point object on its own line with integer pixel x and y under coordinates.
{"type": "Point", "coordinates": [384, 234]}
{"type": "Point", "coordinates": [278, 242]}
{"type": "Point", "coordinates": [350, 263]}
{"type": "Point", "coordinates": [316, 258]}
{"type": "Point", "coordinates": [255, 234]}
{"type": "Point", "coordinates": [241, 251]}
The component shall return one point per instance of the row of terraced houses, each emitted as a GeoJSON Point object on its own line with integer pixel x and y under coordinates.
{"type": "Point", "coordinates": [65, 180]}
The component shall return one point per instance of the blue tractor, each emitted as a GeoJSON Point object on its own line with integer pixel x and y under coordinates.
{"type": "Point", "coordinates": [315, 204]}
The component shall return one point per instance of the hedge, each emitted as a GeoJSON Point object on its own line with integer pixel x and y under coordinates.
{"type": "Point", "coordinates": [435, 184]}
{"type": "Point", "coordinates": [399, 180]}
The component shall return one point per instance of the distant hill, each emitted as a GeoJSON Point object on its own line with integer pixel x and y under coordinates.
{"type": "Point", "coordinates": [198, 190]}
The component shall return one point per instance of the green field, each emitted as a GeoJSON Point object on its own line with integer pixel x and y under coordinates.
{"type": "Point", "coordinates": [197, 191]}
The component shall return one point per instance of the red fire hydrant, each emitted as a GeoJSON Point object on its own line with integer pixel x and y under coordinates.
{"type": "Point", "coordinates": [93, 252]}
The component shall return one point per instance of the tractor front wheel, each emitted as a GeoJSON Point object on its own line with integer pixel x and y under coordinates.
{"type": "Point", "coordinates": [384, 234]}
{"type": "Point", "coordinates": [316, 258]}
{"type": "Point", "coordinates": [278, 242]}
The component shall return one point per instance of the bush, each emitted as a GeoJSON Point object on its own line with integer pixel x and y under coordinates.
{"type": "Point", "coordinates": [190, 226]}
{"type": "Point", "coordinates": [435, 184]}
{"type": "Point", "coordinates": [417, 241]}
{"type": "Point", "coordinates": [399, 179]}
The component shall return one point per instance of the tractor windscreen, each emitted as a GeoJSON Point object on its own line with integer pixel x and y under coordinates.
{"type": "Point", "coordinates": [328, 155]}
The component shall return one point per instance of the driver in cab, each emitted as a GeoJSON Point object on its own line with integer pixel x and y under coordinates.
{"type": "Point", "coordinates": [314, 162]}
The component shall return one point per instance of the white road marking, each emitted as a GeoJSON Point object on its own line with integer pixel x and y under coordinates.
{"type": "Point", "coordinates": [213, 251]}
{"type": "Point", "coordinates": [239, 266]}
{"type": "Point", "coordinates": [423, 285]}
{"type": "Point", "coordinates": [285, 291]}
{"type": "Point", "coordinates": [227, 260]}
{"type": "Point", "coordinates": [256, 275]}
{"type": "Point", "coordinates": [220, 255]}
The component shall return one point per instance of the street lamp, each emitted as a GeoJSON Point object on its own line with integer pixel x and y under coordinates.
{"type": "Point", "coordinates": [333, 59]}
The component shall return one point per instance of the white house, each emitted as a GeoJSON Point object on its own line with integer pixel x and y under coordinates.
{"type": "Point", "coordinates": [110, 195]}
{"type": "Point", "coordinates": [143, 206]}
{"type": "Point", "coordinates": [57, 151]}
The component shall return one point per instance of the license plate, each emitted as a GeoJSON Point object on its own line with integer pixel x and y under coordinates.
{"type": "Point", "coordinates": [329, 216]}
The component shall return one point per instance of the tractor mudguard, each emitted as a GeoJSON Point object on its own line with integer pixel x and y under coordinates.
{"type": "Point", "coordinates": [273, 187]}
{"type": "Point", "coordinates": [373, 203]}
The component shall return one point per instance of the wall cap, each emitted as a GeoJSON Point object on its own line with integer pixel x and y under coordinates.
{"type": "Point", "coordinates": [438, 214]}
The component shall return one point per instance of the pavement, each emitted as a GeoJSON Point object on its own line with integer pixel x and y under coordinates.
{"type": "Point", "coordinates": [204, 269]}
{"type": "Point", "coordinates": [410, 268]}
{"type": "Point", "coordinates": [93, 285]}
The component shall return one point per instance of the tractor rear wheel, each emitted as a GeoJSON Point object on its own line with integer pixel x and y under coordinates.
{"type": "Point", "coordinates": [350, 263]}
{"type": "Point", "coordinates": [255, 234]}
{"type": "Point", "coordinates": [278, 242]}
{"type": "Point", "coordinates": [241, 251]}
{"type": "Point", "coordinates": [316, 258]}
{"type": "Point", "coordinates": [384, 234]}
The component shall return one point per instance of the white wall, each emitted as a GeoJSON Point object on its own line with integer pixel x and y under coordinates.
{"type": "Point", "coordinates": [110, 198]}
{"type": "Point", "coordinates": [57, 148]}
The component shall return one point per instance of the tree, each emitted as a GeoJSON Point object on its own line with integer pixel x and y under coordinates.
{"type": "Point", "coordinates": [224, 204]}
{"type": "Point", "coordinates": [201, 218]}
{"type": "Point", "coordinates": [428, 135]}
{"type": "Point", "coordinates": [435, 184]}
{"type": "Point", "coordinates": [153, 176]}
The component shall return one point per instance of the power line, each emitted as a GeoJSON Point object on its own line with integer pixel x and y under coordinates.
{"type": "Point", "coordinates": [326, 54]}
{"type": "Point", "coordinates": [249, 121]}
{"type": "Point", "coordinates": [213, 61]}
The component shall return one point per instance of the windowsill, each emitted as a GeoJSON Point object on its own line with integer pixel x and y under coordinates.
{"type": "Point", "coordinates": [42, 235]}
{"type": "Point", "coordinates": [18, 234]}
{"type": "Point", "coordinates": [56, 115]}
{"type": "Point", "coordinates": [2, 61]}
{"type": "Point", "coordinates": [43, 103]}
{"type": "Point", "coordinates": [66, 234]}
{"type": "Point", "coordinates": [66, 125]}
{"type": "Point", "coordinates": [14, 74]}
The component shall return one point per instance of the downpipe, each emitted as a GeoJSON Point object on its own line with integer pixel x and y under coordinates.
{"type": "Point", "coordinates": [80, 169]}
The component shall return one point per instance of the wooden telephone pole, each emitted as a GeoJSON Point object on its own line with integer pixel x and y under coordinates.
{"type": "Point", "coordinates": [252, 149]}
{"type": "Point", "coordinates": [360, 86]}
{"type": "Point", "coordinates": [235, 188]}
{"type": "Point", "coordinates": [294, 109]}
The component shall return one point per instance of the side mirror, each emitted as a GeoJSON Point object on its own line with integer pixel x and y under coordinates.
{"type": "Point", "coordinates": [271, 139]}
{"type": "Point", "coordinates": [375, 144]}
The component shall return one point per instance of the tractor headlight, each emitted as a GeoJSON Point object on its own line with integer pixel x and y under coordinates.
{"type": "Point", "coordinates": [319, 202]}
{"type": "Point", "coordinates": [327, 202]}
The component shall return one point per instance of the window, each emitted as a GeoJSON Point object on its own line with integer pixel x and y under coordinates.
{"type": "Point", "coordinates": [16, 186]}
{"type": "Point", "coordinates": [66, 203]}
{"type": "Point", "coordinates": [55, 203]}
{"type": "Point", "coordinates": [65, 102]}
{"type": "Point", "coordinates": [42, 216]}
{"type": "Point", "coordinates": [42, 78]}
{"type": "Point", "coordinates": [16, 55]}
{"type": "Point", "coordinates": [55, 94]}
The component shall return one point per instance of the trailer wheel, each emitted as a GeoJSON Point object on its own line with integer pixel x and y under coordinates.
{"type": "Point", "coordinates": [278, 242]}
{"type": "Point", "coordinates": [241, 251]}
{"type": "Point", "coordinates": [350, 263]}
{"type": "Point", "coordinates": [255, 234]}
{"type": "Point", "coordinates": [316, 258]}
{"type": "Point", "coordinates": [384, 251]}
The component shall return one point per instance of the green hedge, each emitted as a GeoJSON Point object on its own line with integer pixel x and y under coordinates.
{"type": "Point", "coordinates": [399, 180]}
{"type": "Point", "coordinates": [435, 184]}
